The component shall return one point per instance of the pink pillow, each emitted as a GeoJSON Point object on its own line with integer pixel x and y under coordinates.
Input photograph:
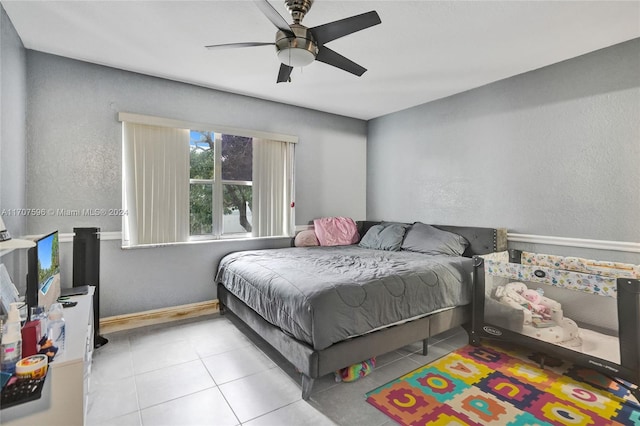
{"type": "Point", "coordinates": [336, 231]}
{"type": "Point", "coordinates": [306, 239]}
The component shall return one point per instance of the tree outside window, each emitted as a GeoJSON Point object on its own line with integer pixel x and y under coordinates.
{"type": "Point", "coordinates": [220, 164]}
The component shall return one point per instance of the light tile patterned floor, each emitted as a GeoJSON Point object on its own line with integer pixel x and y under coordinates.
{"type": "Point", "coordinates": [215, 371]}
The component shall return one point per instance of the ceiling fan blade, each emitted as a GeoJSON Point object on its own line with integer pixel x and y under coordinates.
{"type": "Point", "coordinates": [234, 45]}
{"type": "Point", "coordinates": [284, 73]}
{"type": "Point", "coordinates": [275, 18]}
{"type": "Point", "coordinates": [336, 29]}
{"type": "Point", "coordinates": [332, 58]}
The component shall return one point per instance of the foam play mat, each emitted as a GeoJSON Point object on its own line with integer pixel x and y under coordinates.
{"type": "Point", "coordinates": [504, 385]}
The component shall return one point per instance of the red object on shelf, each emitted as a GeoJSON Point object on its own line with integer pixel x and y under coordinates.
{"type": "Point", "coordinates": [31, 335]}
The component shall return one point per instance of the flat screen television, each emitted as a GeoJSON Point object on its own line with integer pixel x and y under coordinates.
{"type": "Point", "coordinates": [43, 271]}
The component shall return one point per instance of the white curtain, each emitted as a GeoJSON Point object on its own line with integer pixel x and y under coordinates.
{"type": "Point", "coordinates": [272, 208]}
{"type": "Point", "coordinates": [156, 184]}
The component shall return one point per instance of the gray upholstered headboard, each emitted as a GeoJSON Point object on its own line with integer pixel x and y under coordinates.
{"type": "Point", "coordinates": [481, 240]}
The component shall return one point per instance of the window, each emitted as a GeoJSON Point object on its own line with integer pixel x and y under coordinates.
{"type": "Point", "coordinates": [184, 181]}
{"type": "Point", "coordinates": [220, 175]}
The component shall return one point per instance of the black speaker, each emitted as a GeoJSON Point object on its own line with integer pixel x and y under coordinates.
{"type": "Point", "coordinates": [86, 271]}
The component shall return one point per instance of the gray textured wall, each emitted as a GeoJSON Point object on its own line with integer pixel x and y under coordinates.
{"type": "Point", "coordinates": [12, 138]}
{"type": "Point", "coordinates": [551, 152]}
{"type": "Point", "coordinates": [74, 162]}
{"type": "Point", "coordinates": [74, 139]}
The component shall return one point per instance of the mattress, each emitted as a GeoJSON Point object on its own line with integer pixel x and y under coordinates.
{"type": "Point", "coordinates": [323, 295]}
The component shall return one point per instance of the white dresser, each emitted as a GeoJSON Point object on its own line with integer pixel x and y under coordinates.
{"type": "Point", "coordinates": [66, 390]}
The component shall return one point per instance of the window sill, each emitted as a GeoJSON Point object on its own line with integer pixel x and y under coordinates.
{"type": "Point", "coordinates": [226, 239]}
{"type": "Point", "coordinates": [117, 235]}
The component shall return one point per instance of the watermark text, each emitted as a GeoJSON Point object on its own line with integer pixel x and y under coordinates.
{"type": "Point", "coordinates": [64, 212]}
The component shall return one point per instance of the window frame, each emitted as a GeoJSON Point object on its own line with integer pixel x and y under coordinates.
{"type": "Point", "coordinates": [217, 183]}
{"type": "Point", "coordinates": [217, 195]}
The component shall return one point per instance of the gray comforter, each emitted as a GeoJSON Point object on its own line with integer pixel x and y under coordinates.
{"type": "Point", "coordinates": [322, 295]}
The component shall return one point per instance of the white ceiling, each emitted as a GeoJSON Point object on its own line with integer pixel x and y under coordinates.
{"type": "Point", "coordinates": [422, 51]}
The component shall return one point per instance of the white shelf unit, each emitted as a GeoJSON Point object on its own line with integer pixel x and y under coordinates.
{"type": "Point", "coordinates": [64, 397]}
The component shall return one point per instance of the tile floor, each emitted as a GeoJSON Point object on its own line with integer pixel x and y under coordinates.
{"type": "Point", "coordinates": [215, 371]}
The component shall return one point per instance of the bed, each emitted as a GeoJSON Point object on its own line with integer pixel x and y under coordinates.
{"type": "Point", "coordinates": [325, 308]}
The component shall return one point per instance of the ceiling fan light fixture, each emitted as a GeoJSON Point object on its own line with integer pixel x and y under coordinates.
{"type": "Point", "coordinates": [296, 57]}
{"type": "Point", "coordinates": [297, 51]}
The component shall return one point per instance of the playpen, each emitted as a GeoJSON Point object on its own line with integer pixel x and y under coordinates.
{"type": "Point", "coordinates": [580, 310]}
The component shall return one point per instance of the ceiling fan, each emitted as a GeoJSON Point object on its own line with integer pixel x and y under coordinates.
{"type": "Point", "coordinates": [298, 46]}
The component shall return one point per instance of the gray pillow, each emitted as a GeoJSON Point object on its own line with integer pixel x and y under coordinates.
{"type": "Point", "coordinates": [386, 236]}
{"type": "Point", "coordinates": [430, 240]}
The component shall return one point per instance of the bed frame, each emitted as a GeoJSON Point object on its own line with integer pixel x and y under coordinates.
{"type": "Point", "coordinates": [317, 363]}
